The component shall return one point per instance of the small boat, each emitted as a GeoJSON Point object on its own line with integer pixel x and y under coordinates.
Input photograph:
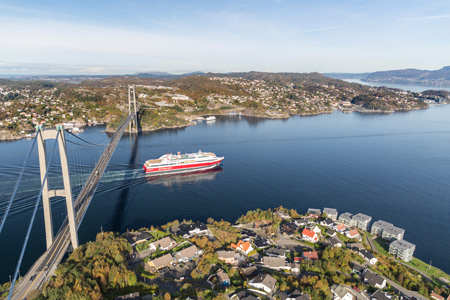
{"type": "Point", "coordinates": [200, 119]}
{"type": "Point", "coordinates": [210, 118]}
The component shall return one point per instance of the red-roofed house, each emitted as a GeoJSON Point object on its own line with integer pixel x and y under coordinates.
{"type": "Point", "coordinates": [353, 234]}
{"type": "Point", "coordinates": [309, 235]}
{"type": "Point", "coordinates": [310, 255]}
{"type": "Point", "coordinates": [436, 296]}
{"type": "Point", "coordinates": [340, 227]}
{"type": "Point", "coordinates": [244, 247]}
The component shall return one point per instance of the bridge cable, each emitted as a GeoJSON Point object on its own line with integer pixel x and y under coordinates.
{"type": "Point", "coordinates": [22, 253]}
{"type": "Point", "coordinates": [25, 163]}
{"type": "Point", "coordinates": [86, 141]}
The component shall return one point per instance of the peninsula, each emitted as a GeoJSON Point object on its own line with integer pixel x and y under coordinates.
{"type": "Point", "coordinates": [176, 102]}
{"type": "Point", "coordinates": [271, 254]}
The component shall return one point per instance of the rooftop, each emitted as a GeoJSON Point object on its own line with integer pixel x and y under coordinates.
{"type": "Point", "coordinates": [402, 244]}
{"type": "Point", "coordinates": [346, 215]}
{"type": "Point", "coordinates": [362, 217]}
{"type": "Point", "coordinates": [330, 211]}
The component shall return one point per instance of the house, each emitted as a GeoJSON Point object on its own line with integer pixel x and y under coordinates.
{"type": "Point", "coordinates": [367, 256]}
{"type": "Point", "coordinates": [282, 214]}
{"type": "Point", "coordinates": [310, 236]}
{"type": "Point", "coordinates": [263, 282]}
{"type": "Point", "coordinates": [295, 295]}
{"type": "Point", "coordinates": [358, 269]}
{"type": "Point", "coordinates": [361, 221]}
{"type": "Point", "coordinates": [276, 252]}
{"type": "Point", "coordinates": [379, 295]}
{"type": "Point", "coordinates": [130, 296]}
{"type": "Point", "coordinates": [244, 247]}
{"type": "Point", "coordinates": [244, 295]}
{"type": "Point", "coordinates": [327, 222]}
{"type": "Point", "coordinates": [228, 257]}
{"type": "Point", "coordinates": [247, 234]}
{"type": "Point", "coordinates": [295, 267]}
{"type": "Point", "coordinates": [330, 232]}
{"type": "Point", "coordinates": [314, 212]}
{"type": "Point", "coordinates": [342, 292]}
{"type": "Point", "coordinates": [163, 244]}
{"type": "Point", "coordinates": [289, 228]}
{"type": "Point", "coordinates": [331, 213]}
{"type": "Point", "coordinates": [314, 228]}
{"type": "Point", "coordinates": [135, 238]}
{"type": "Point", "coordinates": [355, 246]}
{"type": "Point", "coordinates": [433, 295]}
{"type": "Point", "coordinates": [302, 222]}
{"type": "Point", "coordinates": [335, 242]}
{"type": "Point", "coordinates": [346, 218]}
{"type": "Point", "coordinates": [341, 228]}
{"type": "Point", "coordinates": [161, 262]}
{"type": "Point", "coordinates": [276, 263]}
{"type": "Point", "coordinates": [260, 242]}
{"type": "Point", "coordinates": [188, 230]}
{"type": "Point", "coordinates": [249, 272]}
{"type": "Point", "coordinates": [387, 231]}
{"type": "Point", "coordinates": [310, 255]}
{"type": "Point", "coordinates": [223, 278]}
{"type": "Point", "coordinates": [402, 249]}
{"type": "Point", "coordinates": [353, 234]}
{"type": "Point", "coordinates": [188, 254]}
{"type": "Point", "coordinates": [393, 233]}
{"type": "Point", "coordinates": [374, 279]}
{"type": "Point", "coordinates": [378, 227]}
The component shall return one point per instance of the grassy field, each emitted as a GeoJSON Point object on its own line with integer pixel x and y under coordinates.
{"type": "Point", "coordinates": [381, 246]}
{"type": "Point", "coordinates": [433, 272]}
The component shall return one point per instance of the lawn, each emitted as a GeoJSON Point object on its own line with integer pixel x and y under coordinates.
{"type": "Point", "coordinates": [381, 246]}
{"type": "Point", "coordinates": [433, 272]}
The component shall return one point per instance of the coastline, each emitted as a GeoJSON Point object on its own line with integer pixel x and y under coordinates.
{"type": "Point", "coordinates": [268, 117]}
{"type": "Point", "coordinates": [9, 135]}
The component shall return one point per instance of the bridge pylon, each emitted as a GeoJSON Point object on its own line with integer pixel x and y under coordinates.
{"type": "Point", "coordinates": [132, 99]}
{"type": "Point", "coordinates": [42, 136]}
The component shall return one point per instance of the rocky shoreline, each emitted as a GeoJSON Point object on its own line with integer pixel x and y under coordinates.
{"type": "Point", "coordinates": [10, 135]}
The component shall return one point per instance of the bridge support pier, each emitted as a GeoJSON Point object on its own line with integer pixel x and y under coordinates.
{"type": "Point", "coordinates": [44, 135]}
{"type": "Point", "coordinates": [133, 123]}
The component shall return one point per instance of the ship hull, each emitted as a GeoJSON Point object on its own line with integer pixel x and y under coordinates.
{"type": "Point", "coordinates": [182, 168]}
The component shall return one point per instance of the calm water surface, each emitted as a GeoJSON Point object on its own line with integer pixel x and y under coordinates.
{"type": "Point", "coordinates": [406, 87]}
{"type": "Point", "coordinates": [392, 167]}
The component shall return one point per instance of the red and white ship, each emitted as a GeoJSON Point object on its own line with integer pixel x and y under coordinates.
{"type": "Point", "coordinates": [182, 162]}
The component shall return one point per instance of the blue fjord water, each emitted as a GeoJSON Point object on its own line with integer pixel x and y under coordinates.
{"type": "Point", "coordinates": [392, 167]}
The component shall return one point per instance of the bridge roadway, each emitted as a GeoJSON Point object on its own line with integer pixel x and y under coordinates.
{"type": "Point", "coordinates": [46, 265]}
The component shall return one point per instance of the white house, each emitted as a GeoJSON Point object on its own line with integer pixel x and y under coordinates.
{"type": "Point", "coordinates": [263, 282]}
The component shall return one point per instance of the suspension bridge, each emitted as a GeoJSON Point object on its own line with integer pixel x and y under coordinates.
{"type": "Point", "coordinates": [73, 180]}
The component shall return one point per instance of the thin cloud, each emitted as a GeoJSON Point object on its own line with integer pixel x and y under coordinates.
{"type": "Point", "coordinates": [425, 18]}
{"type": "Point", "coordinates": [328, 28]}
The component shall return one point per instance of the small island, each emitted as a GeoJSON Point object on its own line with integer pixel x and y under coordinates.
{"type": "Point", "coordinates": [175, 103]}
{"type": "Point", "coordinates": [266, 254]}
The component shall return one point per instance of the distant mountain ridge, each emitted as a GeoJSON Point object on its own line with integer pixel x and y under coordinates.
{"type": "Point", "coordinates": [165, 75]}
{"type": "Point", "coordinates": [438, 78]}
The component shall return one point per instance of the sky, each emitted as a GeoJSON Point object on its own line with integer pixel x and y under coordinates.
{"type": "Point", "coordinates": [179, 36]}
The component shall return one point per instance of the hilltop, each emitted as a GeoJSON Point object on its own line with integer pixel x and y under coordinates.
{"type": "Point", "coordinates": [438, 78]}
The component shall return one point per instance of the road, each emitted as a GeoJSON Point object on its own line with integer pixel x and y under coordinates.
{"type": "Point", "coordinates": [46, 265]}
